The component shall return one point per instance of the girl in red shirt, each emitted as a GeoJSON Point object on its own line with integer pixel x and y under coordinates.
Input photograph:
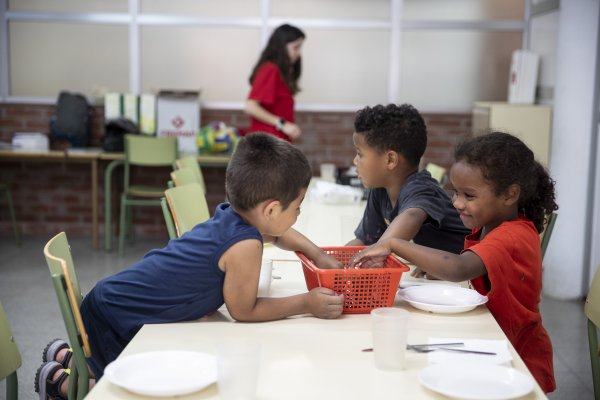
{"type": "Point", "coordinates": [274, 81]}
{"type": "Point", "coordinates": [504, 196]}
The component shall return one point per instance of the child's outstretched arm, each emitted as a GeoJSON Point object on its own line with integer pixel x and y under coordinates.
{"type": "Point", "coordinates": [293, 240]}
{"type": "Point", "coordinates": [406, 224]}
{"type": "Point", "coordinates": [241, 264]}
{"type": "Point", "coordinates": [442, 264]}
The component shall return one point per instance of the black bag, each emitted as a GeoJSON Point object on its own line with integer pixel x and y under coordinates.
{"type": "Point", "coordinates": [71, 121]}
{"type": "Point", "coordinates": [116, 129]}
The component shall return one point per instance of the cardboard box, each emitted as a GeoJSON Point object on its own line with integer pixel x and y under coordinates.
{"type": "Point", "coordinates": [148, 114]}
{"type": "Point", "coordinates": [178, 115]}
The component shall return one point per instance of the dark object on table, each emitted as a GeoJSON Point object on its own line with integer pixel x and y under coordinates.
{"type": "Point", "coordinates": [349, 176]}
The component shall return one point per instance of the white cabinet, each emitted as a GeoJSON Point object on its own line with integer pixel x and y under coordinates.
{"type": "Point", "coordinates": [531, 123]}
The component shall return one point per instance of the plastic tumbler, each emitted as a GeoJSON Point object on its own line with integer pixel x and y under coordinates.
{"type": "Point", "coordinates": [264, 281]}
{"type": "Point", "coordinates": [390, 331]}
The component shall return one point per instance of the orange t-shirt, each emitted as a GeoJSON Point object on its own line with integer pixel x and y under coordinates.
{"type": "Point", "coordinates": [512, 257]}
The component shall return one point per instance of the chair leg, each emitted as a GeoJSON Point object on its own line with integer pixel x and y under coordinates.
{"type": "Point", "coordinates": [12, 216]}
{"type": "Point", "coordinates": [122, 224]}
{"type": "Point", "coordinates": [12, 387]}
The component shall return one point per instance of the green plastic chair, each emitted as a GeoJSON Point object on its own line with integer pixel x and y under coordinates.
{"type": "Point", "coordinates": [548, 232]}
{"type": "Point", "coordinates": [10, 360]}
{"type": "Point", "coordinates": [184, 176]}
{"type": "Point", "coordinates": [188, 207]}
{"type": "Point", "coordinates": [168, 218]}
{"type": "Point", "coordinates": [592, 312]}
{"type": "Point", "coordinates": [66, 285]}
{"type": "Point", "coordinates": [191, 162]}
{"type": "Point", "coordinates": [437, 172]}
{"type": "Point", "coordinates": [4, 188]}
{"type": "Point", "coordinates": [142, 151]}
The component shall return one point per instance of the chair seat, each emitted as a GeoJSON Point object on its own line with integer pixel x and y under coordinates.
{"type": "Point", "coordinates": [146, 191]}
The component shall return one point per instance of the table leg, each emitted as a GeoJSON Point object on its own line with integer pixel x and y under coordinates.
{"type": "Point", "coordinates": [107, 198]}
{"type": "Point", "coordinates": [94, 184]}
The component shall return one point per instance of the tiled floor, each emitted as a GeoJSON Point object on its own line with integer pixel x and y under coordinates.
{"type": "Point", "coordinates": [28, 298]}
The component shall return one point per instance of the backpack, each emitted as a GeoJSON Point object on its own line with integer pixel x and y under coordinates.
{"type": "Point", "coordinates": [115, 130]}
{"type": "Point", "coordinates": [71, 120]}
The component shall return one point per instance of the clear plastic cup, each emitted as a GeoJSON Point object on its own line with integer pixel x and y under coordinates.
{"type": "Point", "coordinates": [266, 276]}
{"type": "Point", "coordinates": [390, 331]}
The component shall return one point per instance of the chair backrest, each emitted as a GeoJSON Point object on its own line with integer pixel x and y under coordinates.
{"type": "Point", "coordinates": [188, 206]}
{"type": "Point", "coordinates": [60, 263]}
{"type": "Point", "coordinates": [192, 162]}
{"type": "Point", "coordinates": [437, 172]}
{"type": "Point", "coordinates": [168, 218]}
{"type": "Point", "coordinates": [184, 176]}
{"type": "Point", "coordinates": [10, 360]}
{"type": "Point", "coordinates": [548, 232]}
{"type": "Point", "coordinates": [150, 151]}
{"type": "Point", "coordinates": [592, 312]}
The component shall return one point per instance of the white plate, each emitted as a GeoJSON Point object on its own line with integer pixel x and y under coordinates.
{"type": "Point", "coordinates": [444, 299]}
{"type": "Point", "coordinates": [163, 373]}
{"type": "Point", "coordinates": [476, 381]}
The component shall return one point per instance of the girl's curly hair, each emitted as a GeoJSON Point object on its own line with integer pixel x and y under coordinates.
{"type": "Point", "coordinates": [505, 160]}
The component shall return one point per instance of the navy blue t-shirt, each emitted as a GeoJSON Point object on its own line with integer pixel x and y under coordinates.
{"type": "Point", "coordinates": [442, 229]}
{"type": "Point", "coordinates": [180, 282]}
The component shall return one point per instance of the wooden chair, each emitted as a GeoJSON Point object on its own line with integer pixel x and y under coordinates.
{"type": "Point", "coordinates": [547, 233]}
{"type": "Point", "coordinates": [187, 206]}
{"type": "Point", "coordinates": [592, 312]}
{"type": "Point", "coordinates": [68, 294]}
{"type": "Point", "coordinates": [191, 162]}
{"type": "Point", "coordinates": [184, 176]}
{"type": "Point", "coordinates": [10, 360]}
{"type": "Point", "coordinates": [142, 151]}
{"type": "Point", "coordinates": [6, 189]}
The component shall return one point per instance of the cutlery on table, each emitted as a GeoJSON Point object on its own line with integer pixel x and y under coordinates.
{"type": "Point", "coordinates": [424, 346]}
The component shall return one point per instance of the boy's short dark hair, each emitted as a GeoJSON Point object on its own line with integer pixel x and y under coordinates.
{"type": "Point", "coordinates": [264, 167]}
{"type": "Point", "coordinates": [398, 128]}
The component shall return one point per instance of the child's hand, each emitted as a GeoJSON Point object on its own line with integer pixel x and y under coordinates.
{"type": "Point", "coordinates": [372, 256]}
{"type": "Point", "coordinates": [325, 303]}
{"type": "Point", "coordinates": [328, 262]}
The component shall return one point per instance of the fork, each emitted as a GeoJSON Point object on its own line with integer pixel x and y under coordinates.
{"type": "Point", "coordinates": [429, 350]}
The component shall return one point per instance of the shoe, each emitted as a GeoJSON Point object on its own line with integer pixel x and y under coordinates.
{"type": "Point", "coordinates": [47, 387]}
{"type": "Point", "coordinates": [52, 349]}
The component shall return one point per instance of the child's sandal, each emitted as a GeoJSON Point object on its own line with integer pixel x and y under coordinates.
{"type": "Point", "coordinates": [52, 349]}
{"type": "Point", "coordinates": [45, 385]}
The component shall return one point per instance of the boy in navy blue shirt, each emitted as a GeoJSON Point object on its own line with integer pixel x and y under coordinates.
{"type": "Point", "coordinates": [217, 262]}
{"type": "Point", "coordinates": [403, 202]}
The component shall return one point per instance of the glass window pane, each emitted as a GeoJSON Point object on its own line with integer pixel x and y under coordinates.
{"type": "Point", "coordinates": [463, 10]}
{"type": "Point", "coordinates": [450, 70]}
{"type": "Point", "coordinates": [206, 8]}
{"type": "Point", "coordinates": [345, 67]}
{"type": "Point", "coordinates": [69, 5]}
{"type": "Point", "coordinates": [48, 57]}
{"type": "Point", "coordinates": [338, 9]}
{"type": "Point", "coordinates": [217, 61]}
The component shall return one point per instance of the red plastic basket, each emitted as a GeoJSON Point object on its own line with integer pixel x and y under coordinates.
{"type": "Point", "coordinates": [363, 288]}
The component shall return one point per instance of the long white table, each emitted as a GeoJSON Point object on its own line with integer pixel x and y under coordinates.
{"type": "Point", "coordinates": [310, 358]}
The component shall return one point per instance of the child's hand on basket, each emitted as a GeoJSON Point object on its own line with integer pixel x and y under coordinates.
{"type": "Point", "coordinates": [326, 261]}
{"type": "Point", "coordinates": [372, 256]}
{"type": "Point", "coordinates": [325, 303]}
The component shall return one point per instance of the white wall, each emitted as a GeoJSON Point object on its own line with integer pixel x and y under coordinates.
{"type": "Point", "coordinates": [568, 257]}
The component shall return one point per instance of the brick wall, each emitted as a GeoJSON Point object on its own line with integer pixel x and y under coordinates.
{"type": "Point", "coordinates": [54, 196]}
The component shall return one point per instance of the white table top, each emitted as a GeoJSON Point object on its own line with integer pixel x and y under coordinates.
{"type": "Point", "coordinates": [309, 358]}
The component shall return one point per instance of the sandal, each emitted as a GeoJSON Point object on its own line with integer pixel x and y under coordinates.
{"type": "Point", "coordinates": [45, 385]}
{"type": "Point", "coordinates": [52, 349]}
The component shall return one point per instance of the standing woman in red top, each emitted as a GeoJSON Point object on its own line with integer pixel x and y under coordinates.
{"type": "Point", "coordinates": [274, 81]}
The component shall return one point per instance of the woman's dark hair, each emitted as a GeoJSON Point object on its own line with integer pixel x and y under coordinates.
{"type": "Point", "coordinates": [265, 167]}
{"type": "Point", "coordinates": [505, 160]}
{"type": "Point", "coordinates": [276, 52]}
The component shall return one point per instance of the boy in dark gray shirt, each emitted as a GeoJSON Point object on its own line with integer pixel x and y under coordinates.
{"type": "Point", "coordinates": [403, 202]}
